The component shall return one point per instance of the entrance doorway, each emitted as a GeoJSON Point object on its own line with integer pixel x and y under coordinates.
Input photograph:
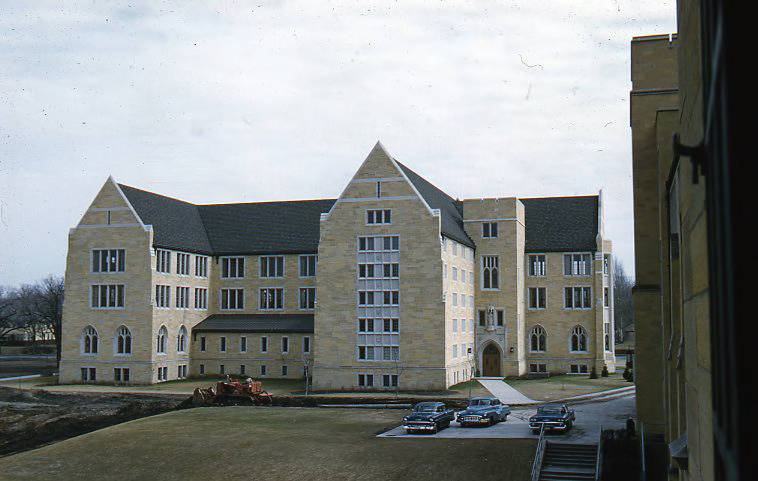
{"type": "Point", "coordinates": [491, 361]}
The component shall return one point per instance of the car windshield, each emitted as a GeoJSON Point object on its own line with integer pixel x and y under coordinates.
{"type": "Point", "coordinates": [549, 410]}
{"type": "Point", "coordinates": [424, 408]}
{"type": "Point", "coordinates": [479, 402]}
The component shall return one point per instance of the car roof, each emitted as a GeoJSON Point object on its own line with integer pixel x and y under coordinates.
{"type": "Point", "coordinates": [553, 405]}
{"type": "Point", "coordinates": [429, 403]}
{"type": "Point", "coordinates": [483, 397]}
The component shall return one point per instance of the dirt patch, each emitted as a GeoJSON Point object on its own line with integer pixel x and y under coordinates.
{"type": "Point", "coordinates": [29, 419]}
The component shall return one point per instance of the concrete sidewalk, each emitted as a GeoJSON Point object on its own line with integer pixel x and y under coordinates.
{"type": "Point", "coordinates": [504, 392]}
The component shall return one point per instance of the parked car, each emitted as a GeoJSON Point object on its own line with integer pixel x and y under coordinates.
{"type": "Point", "coordinates": [556, 417]}
{"type": "Point", "coordinates": [428, 417]}
{"type": "Point", "coordinates": [484, 410]}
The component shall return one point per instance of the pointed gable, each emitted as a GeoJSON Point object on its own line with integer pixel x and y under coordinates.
{"type": "Point", "coordinates": [110, 207]}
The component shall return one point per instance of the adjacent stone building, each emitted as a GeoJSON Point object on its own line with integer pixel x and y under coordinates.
{"type": "Point", "coordinates": [393, 284]}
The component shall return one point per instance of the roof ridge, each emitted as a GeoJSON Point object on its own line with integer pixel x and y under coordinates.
{"type": "Point", "coordinates": [586, 196]}
{"type": "Point", "coordinates": [267, 202]}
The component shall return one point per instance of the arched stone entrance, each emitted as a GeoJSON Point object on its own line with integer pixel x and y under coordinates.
{"type": "Point", "coordinates": [491, 361]}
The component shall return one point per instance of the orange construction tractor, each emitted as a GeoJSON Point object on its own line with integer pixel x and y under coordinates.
{"type": "Point", "coordinates": [231, 392]}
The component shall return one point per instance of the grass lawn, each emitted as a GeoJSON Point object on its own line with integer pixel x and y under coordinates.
{"type": "Point", "coordinates": [242, 443]}
{"type": "Point", "coordinates": [563, 386]}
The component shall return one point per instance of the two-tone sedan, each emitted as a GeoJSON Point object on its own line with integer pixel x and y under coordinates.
{"type": "Point", "coordinates": [428, 417]}
{"type": "Point", "coordinates": [555, 417]}
{"type": "Point", "coordinates": [483, 411]}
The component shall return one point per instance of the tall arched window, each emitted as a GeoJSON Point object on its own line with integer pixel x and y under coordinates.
{"type": "Point", "coordinates": [181, 340]}
{"type": "Point", "coordinates": [538, 339]}
{"type": "Point", "coordinates": [123, 340]}
{"type": "Point", "coordinates": [578, 339]}
{"type": "Point", "coordinates": [89, 340]}
{"type": "Point", "coordinates": [162, 335]}
{"type": "Point", "coordinates": [490, 275]}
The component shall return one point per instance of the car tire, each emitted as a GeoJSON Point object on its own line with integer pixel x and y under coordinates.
{"type": "Point", "coordinates": [569, 425]}
{"type": "Point", "coordinates": [505, 418]}
{"type": "Point", "coordinates": [436, 428]}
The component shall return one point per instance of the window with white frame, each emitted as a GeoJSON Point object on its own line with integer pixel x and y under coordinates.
{"type": "Point", "coordinates": [455, 274]}
{"type": "Point", "coordinates": [263, 369]}
{"type": "Point", "coordinates": [463, 300]}
{"type": "Point", "coordinates": [89, 340]}
{"type": "Point", "coordinates": [121, 374]}
{"type": "Point", "coordinates": [89, 374]}
{"type": "Point", "coordinates": [578, 369]}
{"type": "Point", "coordinates": [577, 264]}
{"type": "Point", "coordinates": [378, 298]}
{"type": "Point", "coordinates": [307, 298]}
{"type": "Point", "coordinates": [264, 343]}
{"type": "Point", "coordinates": [201, 298]}
{"type": "Point", "coordinates": [606, 297]}
{"type": "Point", "coordinates": [365, 380]}
{"type": "Point", "coordinates": [308, 265]}
{"type": "Point", "coordinates": [222, 344]}
{"type": "Point", "coordinates": [537, 264]}
{"type": "Point", "coordinates": [578, 339]}
{"type": "Point", "coordinates": [123, 340]}
{"type": "Point", "coordinates": [162, 296]}
{"type": "Point", "coordinates": [161, 341]}
{"type": "Point", "coordinates": [271, 298]}
{"type": "Point", "coordinates": [499, 319]}
{"type": "Point", "coordinates": [232, 267]}
{"type": "Point", "coordinates": [577, 297]}
{"type": "Point", "coordinates": [378, 339]}
{"type": "Point", "coordinates": [108, 260]}
{"type": "Point", "coordinates": [232, 299]}
{"type": "Point", "coordinates": [306, 344]}
{"type": "Point", "coordinates": [202, 344]}
{"type": "Point", "coordinates": [285, 370]}
{"type": "Point", "coordinates": [463, 276]}
{"type": "Point", "coordinates": [538, 339]}
{"type": "Point", "coordinates": [181, 371]}
{"type": "Point", "coordinates": [107, 296]}
{"type": "Point", "coordinates": [537, 368]}
{"type": "Point", "coordinates": [607, 335]}
{"type": "Point", "coordinates": [455, 299]}
{"type": "Point", "coordinates": [285, 344]}
{"type": "Point", "coordinates": [381, 216]}
{"type": "Point", "coordinates": [181, 340]}
{"type": "Point", "coordinates": [201, 266]}
{"type": "Point", "coordinates": [272, 266]}
{"type": "Point", "coordinates": [489, 229]}
{"type": "Point", "coordinates": [163, 261]}
{"type": "Point", "coordinates": [490, 272]}
{"type": "Point", "coordinates": [182, 264]}
{"type": "Point", "coordinates": [243, 344]}
{"type": "Point", "coordinates": [182, 297]}
{"type": "Point", "coordinates": [537, 298]}
{"type": "Point", "coordinates": [379, 243]}
{"type": "Point", "coordinates": [606, 264]}
{"type": "Point", "coordinates": [455, 325]}
{"type": "Point", "coordinates": [389, 380]}
{"type": "Point", "coordinates": [202, 368]}
{"type": "Point", "coordinates": [455, 247]}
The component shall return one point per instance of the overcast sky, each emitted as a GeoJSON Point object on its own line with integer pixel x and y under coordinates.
{"type": "Point", "coordinates": [254, 101]}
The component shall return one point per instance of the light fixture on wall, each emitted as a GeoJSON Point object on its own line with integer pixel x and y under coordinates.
{"type": "Point", "coordinates": [511, 350]}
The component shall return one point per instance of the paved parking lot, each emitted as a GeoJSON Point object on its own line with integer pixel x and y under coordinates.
{"type": "Point", "coordinates": [589, 417]}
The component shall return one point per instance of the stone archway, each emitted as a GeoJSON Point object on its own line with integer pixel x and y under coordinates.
{"type": "Point", "coordinates": [491, 360]}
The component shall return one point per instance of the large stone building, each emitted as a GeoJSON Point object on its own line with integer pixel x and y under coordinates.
{"type": "Point", "coordinates": [692, 363]}
{"type": "Point", "coordinates": [415, 289]}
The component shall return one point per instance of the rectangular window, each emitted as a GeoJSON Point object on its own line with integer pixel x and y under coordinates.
{"type": "Point", "coordinates": [577, 264]}
{"type": "Point", "coordinates": [201, 298]}
{"type": "Point", "coordinates": [284, 370]}
{"type": "Point", "coordinates": [117, 374]}
{"type": "Point", "coordinates": [455, 274]}
{"type": "Point", "coordinates": [489, 229]}
{"type": "Point", "coordinates": [606, 297]}
{"type": "Point", "coordinates": [271, 298]}
{"type": "Point", "coordinates": [272, 266]}
{"type": "Point", "coordinates": [162, 296]}
{"type": "Point", "coordinates": [163, 261]}
{"type": "Point", "coordinates": [455, 325]}
{"type": "Point", "coordinates": [455, 299]}
{"type": "Point", "coordinates": [243, 344]}
{"type": "Point", "coordinates": [606, 264]}
{"type": "Point", "coordinates": [264, 344]}
{"type": "Point", "coordinates": [389, 380]}
{"type": "Point", "coordinates": [537, 265]}
{"type": "Point", "coordinates": [221, 369]}
{"type": "Point", "coordinates": [107, 296]}
{"type": "Point", "coordinates": [182, 297]}
{"type": "Point", "coordinates": [202, 368]}
{"type": "Point", "coordinates": [202, 343]}
{"type": "Point", "coordinates": [499, 317]}
{"type": "Point", "coordinates": [366, 380]}
{"type": "Point", "coordinates": [537, 298]}
{"type": "Point", "coordinates": [578, 298]}
{"type": "Point", "coordinates": [482, 318]}
{"type": "Point", "coordinates": [308, 266]}
{"type": "Point", "coordinates": [285, 344]}
{"type": "Point", "coordinates": [306, 344]}
{"type": "Point", "coordinates": [232, 299]}
{"type": "Point", "coordinates": [222, 344]}
{"type": "Point", "coordinates": [108, 260]}
{"type": "Point", "coordinates": [307, 298]}
{"type": "Point", "coordinates": [537, 368]}
{"type": "Point", "coordinates": [263, 369]}
{"type": "Point", "coordinates": [379, 243]}
{"type": "Point", "coordinates": [182, 264]}
{"type": "Point", "coordinates": [490, 272]}
{"type": "Point", "coordinates": [201, 266]}
{"type": "Point", "coordinates": [378, 339]}
{"type": "Point", "coordinates": [382, 216]}
{"type": "Point", "coordinates": [232, 267]}
{"type": "Point", "coordinates": [242, 369]}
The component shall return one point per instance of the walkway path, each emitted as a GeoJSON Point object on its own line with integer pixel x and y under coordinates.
{"type": "Point", "coordinates": [504, 392]}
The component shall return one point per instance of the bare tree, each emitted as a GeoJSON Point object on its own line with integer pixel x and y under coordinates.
{"type": "Point", "coordinates": [9, 319]}
{"type": "Point", "coordinates": [307, 366]}
{"type": "Point", "coordinates": [41, 307]}
{"type": "Point", "coordinates": [623, 308]}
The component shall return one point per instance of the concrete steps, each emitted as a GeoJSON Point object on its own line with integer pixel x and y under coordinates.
{"type": "Point", "coordinates": [569, 462]}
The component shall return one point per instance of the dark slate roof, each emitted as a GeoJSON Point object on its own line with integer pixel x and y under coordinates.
{"type": "Point", "coordinates": [561, 224]}
{"type": "Point", "coordinates": [287, 227]}
{"type": "Point", "coordinates": [256, 323]}
{"type": "Point", "coordinates": [176, 224]}
{"type": "Point", "coordinates": [450, 210]}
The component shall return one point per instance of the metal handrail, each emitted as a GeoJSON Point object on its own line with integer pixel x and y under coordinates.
{"type": "Point", "coordinates": [643, 473]}
{"type": "Point", "coordinates": [599, 460]}
{"type": "Point", "coordinates": [538, 455]}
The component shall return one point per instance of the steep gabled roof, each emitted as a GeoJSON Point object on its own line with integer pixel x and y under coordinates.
{"type": "Point", "coordinates": [450, 210]}
{"type": "Point", "coordinates": [176, 224]}
{"type": "Point", "coordinates": [561, 224]}
{"type": "Point", "coordinates": [256, 323]}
